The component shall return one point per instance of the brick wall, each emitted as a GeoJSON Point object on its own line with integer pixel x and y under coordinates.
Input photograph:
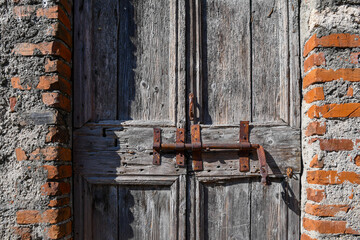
{"type": "Point", "coordinates": [35, 75]}
{"type": "Point", "coordinates": [330, 122]}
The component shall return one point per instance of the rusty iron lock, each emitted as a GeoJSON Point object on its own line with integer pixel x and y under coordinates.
{"type": "Point", "coordinates": [196, 147]}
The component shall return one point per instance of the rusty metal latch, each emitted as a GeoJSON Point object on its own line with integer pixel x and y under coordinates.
{"type": "Point", "coordinates": [196, 147]}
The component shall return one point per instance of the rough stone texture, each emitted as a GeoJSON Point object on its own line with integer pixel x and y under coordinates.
{"type": "Point", "coordinates": [25, 119]}
{"type": "Point", "coordinates": [331, 177]}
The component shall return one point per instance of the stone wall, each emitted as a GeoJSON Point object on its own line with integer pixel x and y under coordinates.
{"type": "Point", "coordinates": [330, 38]}
{"type": "Point", "coordinates": [35, 119]}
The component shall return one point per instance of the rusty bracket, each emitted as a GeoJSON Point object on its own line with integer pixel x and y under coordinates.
{"type": "Point", "coordinates": [263, 166]}
{"type": "Point", "coordinates": [180, 145]}
{"type": "Point", "coordinates": [196, 147]}
{"type": "Point", "coordinates": [244, 160]}
{"type": "Point", "coordinates": [157, 146]}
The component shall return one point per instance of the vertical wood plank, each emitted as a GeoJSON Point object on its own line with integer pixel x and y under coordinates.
{"type": "Point", "coordinates": [104, 212]}
{"type": "Point", "coordinates": [105, 21]}
{"type": "Point", "coordinates": [144, 213]}
{"type": "Point", "coordinates": [227, 210]}
{"type": "Point", "coordinates": [267, 80]}
{"type": "Point", "coordinates": [78, 207]}
{"type": "Point", "coordinates": [293, 204]}
{"type": "Point", "coordinates": [294, 63]}
{"type": "Point", "coordinates": [181, 65]}
{"type": "Point", "coordinates": [226, 61]}
{"type": "Point", "coordinates": [181, 213]}
{"type": "Point", "coordinates": [87, 205]}
{"type": "Point", "coordinates": [82, 62]}
{"type": "Point", "coordinates": [267, 211]}
{"type": "Point", "coordinates": [147, 54]}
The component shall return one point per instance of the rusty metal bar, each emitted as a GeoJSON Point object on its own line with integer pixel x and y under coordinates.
{"type": "Point", "coordinates": [244, 160]}
{"type": "Point", "coordinates": [157, 146]}
{"type": "Point", "coordinates": [196, 147]}
{"type": "Point", "coordinates": [179, 146]}
{"type": "Point", "coordinates": [209, 146]}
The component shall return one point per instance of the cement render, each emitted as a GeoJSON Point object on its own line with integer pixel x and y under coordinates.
{"type": "Point", "coordinates": [324, 18]}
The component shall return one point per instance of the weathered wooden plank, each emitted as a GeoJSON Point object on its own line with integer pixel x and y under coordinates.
{"type": "Point", "coordinates": [266, 211]}
{"type": "Point", "coordinates": [293, 205]}
{"type": "Point", "coordinates": [226, 61]}
{"type": "Point", "coordinates": [268, 80]}
{"type": "Point", "coordinates": [226, 209]}
{"type": "Point", "coordinates": [104, 212]}
{"type": "Point", "coordinates": [146, 81]}
{"type": "Point", "coordinates": [82, 62]}
{"type": "Point", "coordinates": [294, 63]}
{"type": "Point", "coordinates": [144, 213]}
{"type": "Point", "coordinates": [105, 20]}
{"type": "Point", "coordinates": [78, 207]}
{"type": "Point", "coordinates": [181, 65]}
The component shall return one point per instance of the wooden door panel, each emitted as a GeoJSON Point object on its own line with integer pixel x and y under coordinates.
{"type": "Point", "coordinates": [130, 61]}
{"type": "Point", "coordinates": [226, 61]}
{"type": "Point", "coordinates": [131, 208]}
{"type": "Point", "coordinates": [250, 67]}
{"type": "Point", "coordinates": [243, 208]}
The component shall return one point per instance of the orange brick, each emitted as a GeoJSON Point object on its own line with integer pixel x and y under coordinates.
{"type": "Point", "coordinates": [15, 83]}
{"type": "Point", "coordinates": [54, 83]}
{"type": "Point", "coordinates": [331, 177]}
{"type": "Point", "coordinates": [342, 110]}
{"type": "Point", "coordinates": [314, 94]}
{"type": "Point", "coordinates": [12, 101]}
{"type": "Point", "coordinates": [55, 12]}
{"type": "Point", "coordinates": [356, 113]}
{"type": "Point", "coordinates": [357, 160]}
{"type": "Point", "coordinates": [325, 210]}
{"type": "Point", "coordinates": [341, 40]}
{"type": "Point", "coordinates": [315, 128]}
{"type": "Point", "coordinates": [55, 188]}
{"type": "Point", "coordinates": [306, 237]}
{"type": "Point", "coordinates": [58, 172]}
{"type": "Point", "coordinates": [325, 227]}
{"type": "Point", "coordinates": [56, 215]}
{"type": "Point", "coordinates": [28, 217]}
{"type": "Point", "coordinates": [314, 60]}
{"type": "Point", "coordinates": [320, 75]}
{"type": "Point", "coordinates": [354, 57]}
{"type": "Point", "coordinates": [57, 100]}
{"type": "Point", "coordinates": [57, 134]}
{"type": "Point", "coordinates": [35, 155]}
{"type": "Point", "coordinates": [350, 92]}
{"type": "Point", "coordinates": [45, 48]}
{"type": "Point", "coordinates": [59, 31]}
{"type": "Point", "coordinates": [56, 153]}
{"type": "Point", "coordinates": [24, 11]}
{"type": "Point", "coordinates": [59, 231]}
{"type": "Point", "coordinates": [59, 202]}
{"type": "Point", "coordinates": [58, 66]}
{"type": "Point", "coordinates": [336, 144]}
{"type": "Point", "coordinates": [315, 195]}
{"type": "Point", "coordinates": [20, 154]}
{"type": "Point", "coordinates": [67, 6]}
{"type": "Point", "coordinates": [317, 111]}
{"type": "Point", "coordinates": [315, 163]}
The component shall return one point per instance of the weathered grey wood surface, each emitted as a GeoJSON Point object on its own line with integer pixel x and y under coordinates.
{"type": "Point", "coordinates": [241, 60]}
{"type": "Point", "coordinates": [243, 209]}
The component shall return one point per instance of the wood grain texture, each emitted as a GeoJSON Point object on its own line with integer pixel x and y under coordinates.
{"type": "Point", "coordinates": [226, 61]}
{"type": "Point", "coordinates": [148, 51]}
{"type": "Point", "coordinates": [82, 63]}
{"type": "Point", "coordinates": [105, 20]}
{"type": "Point", "coordinates": [227, 210]}
{"type": "Point", "coordinates": [266, 53]}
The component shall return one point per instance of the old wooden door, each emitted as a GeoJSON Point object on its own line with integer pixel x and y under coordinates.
{"type": "Point", "coordinates": [135, 64]}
